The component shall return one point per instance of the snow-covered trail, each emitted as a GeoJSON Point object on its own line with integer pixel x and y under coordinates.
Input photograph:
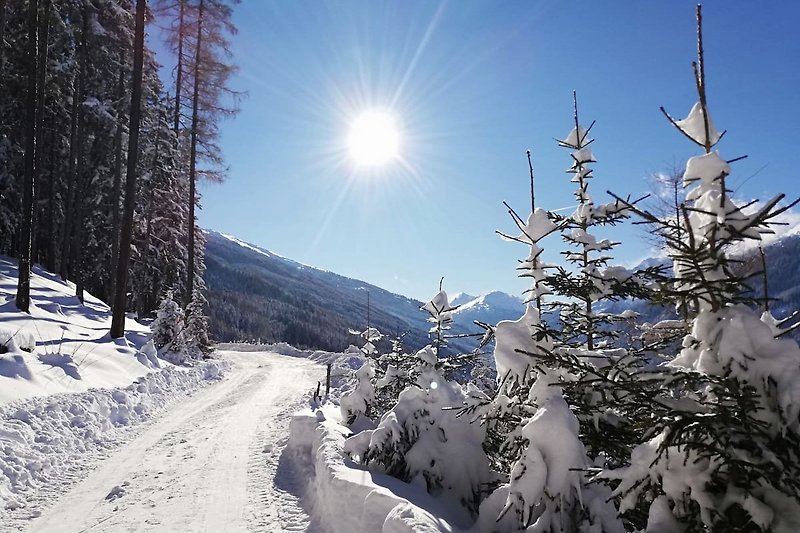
{"type": "Point", "coordinates": [207, 465]}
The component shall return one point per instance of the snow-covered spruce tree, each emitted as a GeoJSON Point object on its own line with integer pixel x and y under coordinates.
{"type": "Point", "coordinates": [196, 330]}
{"type": "Point", "coordinates": [441, 316]}
{"type": "Point", "coordinates": [357, 405]}
{"type": "Point", "coordinates": [602, 380]}
{"type": "Point", "coordinates": [422, 439]}
{"type": "Point", "coordinates": [533, 436]}
{"type": "Point", "coordinates": [396, 369]}
{"type": "Point", "coordinates": [169, 325]}
{"type": "Point", "coordinates": [725, 454]}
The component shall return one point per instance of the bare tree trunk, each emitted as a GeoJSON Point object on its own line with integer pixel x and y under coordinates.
{"type": "Point", "coordinates": [74, 134]}
{"type": "Point", "coordinates": [41, 79]}
{"type": "Point", "coordinates": [115, 211]}
{"type": "Point", "coordinates": [52, 227]}
{"type": "Point", "coordinates": [2, 35]}
{"type": "Point", "coordinates": [23, 298]}
{"type": "Point", "coordinates": [193, 157]}
{"type": "Point", "coordinates": [118, 318]}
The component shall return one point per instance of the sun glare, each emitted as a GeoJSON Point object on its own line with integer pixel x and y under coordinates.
{"type": "Point", "coordinates": [374, 139]}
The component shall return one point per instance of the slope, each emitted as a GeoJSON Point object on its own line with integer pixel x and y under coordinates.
{"type": "Point", "coordinates": [255, 294]}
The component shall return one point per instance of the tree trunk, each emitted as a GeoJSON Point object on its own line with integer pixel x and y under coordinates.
{"type": "Point", "coordinates": [2, 35]}
{"type": "Point", "coordinates": [41, 79]}
{"type": "Point", "coordinates": [179, 66]}
{"type": "Point", "coordinates": [193, 157]}
{"type": "Point", "coordinates": [75, 120]}
{"type": "Point", "coordinates": [115, 212]}
{"type": "Point", "coordinates": [23, 298]}
{"type": "Point", "coordinates": [52, 228]}
{"type": "Point", "coordinates": [118, 319]}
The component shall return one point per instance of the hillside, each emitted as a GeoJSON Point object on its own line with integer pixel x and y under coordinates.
{"type": "Point", "coordinates": [255, 294]}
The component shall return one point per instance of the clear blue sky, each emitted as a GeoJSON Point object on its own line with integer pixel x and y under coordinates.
{"type": "Point", "coordinates": [475, 84]}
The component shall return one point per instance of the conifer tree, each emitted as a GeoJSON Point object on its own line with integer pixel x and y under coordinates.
{"type": "Point", "coordinates": [724, 452]}
{"type": "Point", "coordinates": [197, 325]}
{"type": "Point", "coordinates": [169, 324]}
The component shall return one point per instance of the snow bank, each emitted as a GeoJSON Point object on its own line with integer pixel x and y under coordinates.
{"type": "Point", "coordinates": [342, 363]}
{"type": "Point", "coordinates": [373, 501]}
{"type": "Point", "coordinates": [44, 440]}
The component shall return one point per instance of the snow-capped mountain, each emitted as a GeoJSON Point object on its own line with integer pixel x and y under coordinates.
{"type": "Point", "coordinates": [460, 298]}
{"type": "Point", "coordinates": [489, 308]}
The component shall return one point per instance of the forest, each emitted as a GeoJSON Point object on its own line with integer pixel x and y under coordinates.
{"type": "Point", "coordinates": [98, 159]}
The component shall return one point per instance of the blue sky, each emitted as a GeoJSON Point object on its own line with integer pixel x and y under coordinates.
{"type": "Point", "coordinates": [473, 85]}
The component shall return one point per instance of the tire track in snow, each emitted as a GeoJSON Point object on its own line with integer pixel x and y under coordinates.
{"type": "Point", "coordinates": [203, 466]}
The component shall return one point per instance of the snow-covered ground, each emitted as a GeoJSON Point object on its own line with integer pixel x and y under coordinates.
{"type": "Point", "coordinates": [73, 351]}
{"type": "Point", "coordinates": [209, 464]}
{"type": "Point", "coordinates": [101, 435]}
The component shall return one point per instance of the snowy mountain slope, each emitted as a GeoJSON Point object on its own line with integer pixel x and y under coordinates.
{"type": "Point", "coordinates": [460, 298]}
{"type": "Point", "coordinates": [256, 294]}
{"type": "Point", "coordinates": [783, 276]}
{"type": "Point", "coordinates": [489, 308]}
{"type": "Point", "coordinates": [73, 351]}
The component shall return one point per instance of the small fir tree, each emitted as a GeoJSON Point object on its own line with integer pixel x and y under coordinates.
{"type": "Point", "coordinates": [196, 330]}
{"type": "Point", "coordinates": [169, 325]}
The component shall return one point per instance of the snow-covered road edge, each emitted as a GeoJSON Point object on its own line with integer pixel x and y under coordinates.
{"type": "Point", "coordinates": [46, 442]}
{"type": "Point", "coordinates": [370, 501]}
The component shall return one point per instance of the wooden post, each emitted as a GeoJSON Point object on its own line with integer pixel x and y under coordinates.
{"type": "Point", "coordinates": [328, 381]}
{"type": "Point", "coordinates": [317, 397]}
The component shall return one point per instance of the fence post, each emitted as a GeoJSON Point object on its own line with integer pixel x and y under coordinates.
{"type": "Point", "coordinates": [328, 381]}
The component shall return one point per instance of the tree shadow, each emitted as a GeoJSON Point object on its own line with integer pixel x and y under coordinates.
{"type": "Point", "coordinates": [62, 361]}
{"type": "Point", "coordinates": [13, 366]}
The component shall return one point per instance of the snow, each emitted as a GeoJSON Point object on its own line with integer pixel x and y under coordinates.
{"type": "Point", "coordinates": [512, 335]}
{"type": "Point", "coordinates": [374, 501]}
{"type": "Point", "coordinates": [694, 126]}
{"type": "Point", "coordinates": [707, 168]}
{"type": "Point", "coordinates": [576, 138]}
{"type": "Point", "coordinates": [211, 463]}
{"type": "Point", "coordinates": [45, 441]}
{"type": "Point", "coordinates": [73, 351]}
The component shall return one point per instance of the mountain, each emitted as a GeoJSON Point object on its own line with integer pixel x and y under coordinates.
{"type": "Point", "coordinates": [255, 294]}
{"type": "Point", "coordinates": [783, 275]}
{"type": "Point", "coordinates": [461, 298]}
{"type": "Point", "coordinates": [489, 308]}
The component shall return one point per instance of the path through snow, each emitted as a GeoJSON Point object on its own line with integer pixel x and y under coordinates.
{"type": "Point", "coordinates": [209, 464]}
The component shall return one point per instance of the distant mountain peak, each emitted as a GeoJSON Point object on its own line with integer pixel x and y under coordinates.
{"type": "Point", "coordinates": [461, 298]}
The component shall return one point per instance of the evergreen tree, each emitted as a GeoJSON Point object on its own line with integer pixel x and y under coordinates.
{"type": "Point", "coordinates": [169, 325]}
{"type": "Point", "coordinates": [196, 329]}
{"type": "Point", "coordinates": [724, 454]}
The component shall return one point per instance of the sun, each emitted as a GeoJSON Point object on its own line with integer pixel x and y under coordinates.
{"type": "Point", "coordinates": [374, 139]}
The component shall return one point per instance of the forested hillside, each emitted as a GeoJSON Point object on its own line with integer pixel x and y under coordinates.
{"type": "Point", "coordinates": [99, 157]}
{"type": "Point", "coordinates": [256, 295]}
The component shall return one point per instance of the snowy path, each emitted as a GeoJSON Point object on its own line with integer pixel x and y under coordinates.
{"type": "Point", "coordinates": [209, 464]}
